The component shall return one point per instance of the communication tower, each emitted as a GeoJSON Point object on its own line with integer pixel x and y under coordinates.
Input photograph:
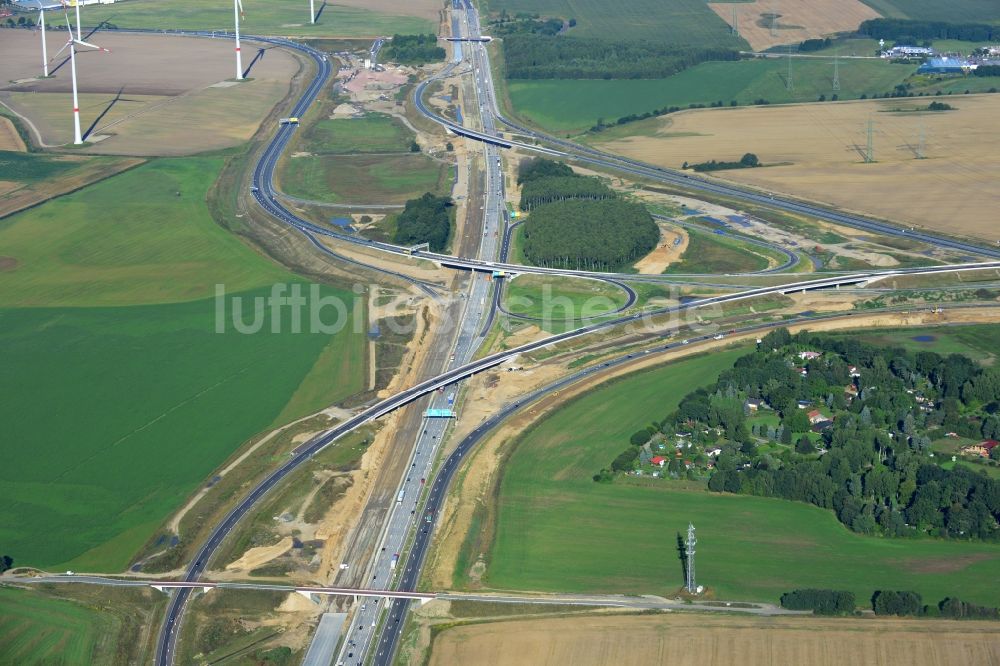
{"type": "Point", "coordinates": [691, 585]}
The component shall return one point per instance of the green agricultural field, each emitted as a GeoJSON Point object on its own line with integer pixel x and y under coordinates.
{"type": "Point", "coordinates": [160, 245]}
{"type": "Point", "coordinates": [955, 11]}
{"type": "Point", "coordinates": [558, 530]}
{"type": "Point", "coordinates": [32, 167]}
{"type": "Point", "coordinates": [281, 17]}
{"type": "Point", "coordinates": [572, 106]}
{"type": "Point", "coordinates": [955, 85]}
{"type": "Point", "coordinates": [709, 253]}
{"type": "Point", "coordinates": [122, 397]}
{"type": "Point", "coordinates": [374, 133]}
{"type": "Point", "coordinates": [120, 413]}
{"type": "Point", "coordinates": [561, 299]}
{"type": "Point", "coordinates": [42, 630]}
{"type": "Point", "coordinates": [978, 341]}
{"type": "Point", "coordinates": [678, 21]}
{"type": "Point", "coordinates": [364, 179]}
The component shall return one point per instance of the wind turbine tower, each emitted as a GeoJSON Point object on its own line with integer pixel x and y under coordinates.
{"type": "Point", "coordinates": [237, 12]}
{"type": "Point", "coordinates": [736, 22]}
{"type": "Point", "coordinates": [79, 35]}
{"type": "Point", "coordinates": [312, 11]}
{"type": "Point", "coordinates": [836, 72]}
{"type": "Point", "coordinates": [45, 48]}
{"type": "Point", "coordinates": [71, 45]}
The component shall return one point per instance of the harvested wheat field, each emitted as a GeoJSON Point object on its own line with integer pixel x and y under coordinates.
{"type": "Point", "coordinates": [151, 95]}
{"type": "Point", "coordinates": [9, 138]}
{"type": "Point", "coordinates": [699, 639]}
{"type": "Point", "coordinates": [818, 150]}
{"type": "Point", "coordinates": [794, 20]}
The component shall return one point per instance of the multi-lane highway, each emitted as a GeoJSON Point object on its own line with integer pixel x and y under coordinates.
{"type": "Point", "coordinates": [477, 307]}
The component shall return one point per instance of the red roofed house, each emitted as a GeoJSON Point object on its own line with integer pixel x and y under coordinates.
{"type": "Point", "coordinates": [658, 460]}
{"type": "Point", "coordinates": [815, 416]}
{"type": "Point", "coordinates": [982, 448]}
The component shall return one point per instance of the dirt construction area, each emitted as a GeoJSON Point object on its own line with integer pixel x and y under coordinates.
{"type": "Point", "coordinates": [681, 639]}
{"type": "Point", "coordinates": [150, 95]}
{"type": "Point", "coordinates": [817, 153]}
{"type": "Point", "coordinates": [793, 20]}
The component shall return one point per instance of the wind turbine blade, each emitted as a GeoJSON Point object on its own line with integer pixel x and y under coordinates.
{"type": "Point", "coordinates": [240, 3]}
{"type": "Point", "coordinates": [60, 50]}
{"type": "Point", "coordinates": [93, 46]}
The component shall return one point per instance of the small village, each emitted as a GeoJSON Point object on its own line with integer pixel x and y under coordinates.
{"type": "Point", "coordinates": [689, 447]}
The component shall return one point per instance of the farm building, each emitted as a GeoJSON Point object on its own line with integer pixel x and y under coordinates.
{"type": "Point", "coordinates": [981, 449]}
{"type": "Point", "coordinates": [908, 52]}
{"type": "Point", "coordinates": [815, 416]}
{"type": "Point", "coordinates": [944, 66]}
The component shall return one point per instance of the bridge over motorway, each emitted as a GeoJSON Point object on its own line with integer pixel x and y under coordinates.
{"type": "Point", "coordinates": [166, 586]}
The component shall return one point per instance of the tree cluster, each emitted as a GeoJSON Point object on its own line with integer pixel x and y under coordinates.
{"type": "Point", "coordinates": [962, 610]}
{"type": "Point", "coordinates": [892, 602]}
{"type": "Point", "coordinates": [525, 24]}
{"type": "Point", "coordinates": [589, 235]}
{"type": "Point", "coordinates": [534, 169]}
{"type": "Point", "coordinates": [22, 22]}
{"type": "Point", "coordinates": [414, 49]}
{"type": "Point", "coordinates": [905, 30]}
{"type": "Point", "coordinates": [820, 602]}
{"type": "Point", "coordinates": [542, 191]}
{"type": "Point", "coordinates": [748, 161]}
{"type": "Point", "coordinates": [425, 220]}
{"type": "Point", "coordinates": [814, 44]}
{"type": "Point", "coordinates": [6, 562]}
{"type": "Point", "coordinates": [939, 106]}
{"type": "Point", "coordinates": [536, 56]}
{"type": "Point", "coordinates": [987, 70]}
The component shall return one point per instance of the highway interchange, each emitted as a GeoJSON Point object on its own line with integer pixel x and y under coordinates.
{"type": "Point", "coordinates": [478, 310]}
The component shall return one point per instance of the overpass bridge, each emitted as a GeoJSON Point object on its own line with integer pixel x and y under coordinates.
{"type": "Point", "coordinates": [166, 586]}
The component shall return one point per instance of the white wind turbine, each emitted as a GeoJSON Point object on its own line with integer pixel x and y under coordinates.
{"type": "Point", "coordinates": [71, 45]}
{"type": "Point", "coordinates": [237, 12]}
{"type": "Point", "coordinates": [312, 11]}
